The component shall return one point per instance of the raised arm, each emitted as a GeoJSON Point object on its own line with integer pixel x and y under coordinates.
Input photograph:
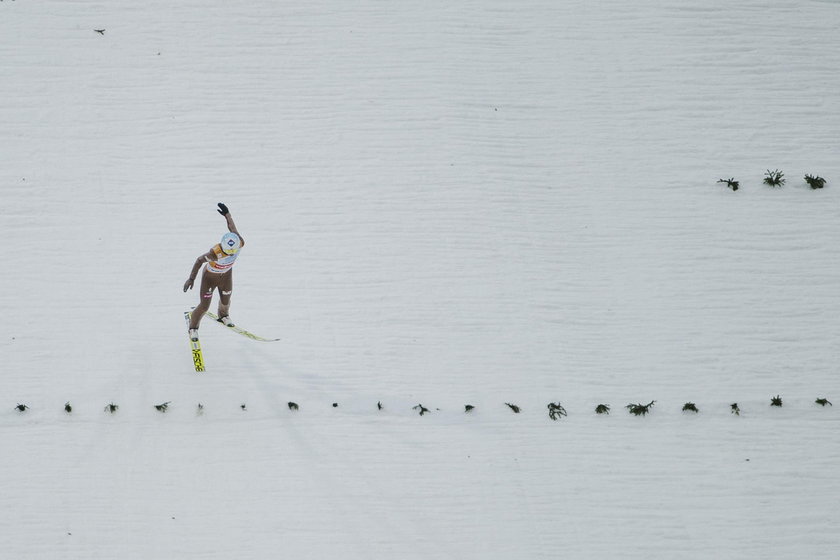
{"type": "Point", "coordinates": [223, 210]}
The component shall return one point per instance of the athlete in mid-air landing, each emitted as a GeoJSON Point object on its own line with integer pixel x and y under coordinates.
{"type": "Point", "coordinates": [217, 274]}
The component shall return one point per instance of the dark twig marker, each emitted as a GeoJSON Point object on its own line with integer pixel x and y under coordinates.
{"type": "Point", "coordinates": [815, 181]}
{"type": "Point", "coordinates": [423, 410]}
{"type": "Point", "coordinates": [731, 183]}
{"type": "Point", "coordinates": [639, 409]}
{"type": "Point", "coordinates": [556, 410]}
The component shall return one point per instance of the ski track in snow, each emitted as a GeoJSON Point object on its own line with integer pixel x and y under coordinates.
{"type": "Point", "coordinates": [444, 203]}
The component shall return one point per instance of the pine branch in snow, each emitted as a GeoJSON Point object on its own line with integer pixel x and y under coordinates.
{"type": "Point", "coordinates": [639, 409]}
{"type": "Point", "coordinates": [823, 402]}
{"type": "Point", "coordinates": [814, 181]}
{"type": "Point", "coordinates": [423, 410]}
{"type": "Point", "coordinates": [556, 410]}
{"type": "Point", "coordinates": [731, 183]}
{"type": "Point", "coordinates": [774, 178]}
{"type": "Point", "coordinates": [602, 409]}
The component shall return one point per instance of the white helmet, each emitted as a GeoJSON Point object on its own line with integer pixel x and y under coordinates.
{"type": "Point", "coordinates": [230, 243]}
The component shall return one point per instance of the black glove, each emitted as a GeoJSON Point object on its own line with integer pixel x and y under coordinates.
{"type": "Point", "coordinates": [223, 210]}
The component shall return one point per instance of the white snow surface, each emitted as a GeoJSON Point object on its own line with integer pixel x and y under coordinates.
{"type": "Point", "coordinates": [446, 203]}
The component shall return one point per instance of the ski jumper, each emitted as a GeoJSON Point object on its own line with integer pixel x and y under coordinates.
{"type": "Point", "coordinates": [217, 275]}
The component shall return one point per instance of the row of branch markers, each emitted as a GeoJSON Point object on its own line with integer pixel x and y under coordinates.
{"type": "Point", "coordinates": [776, 178]}
{"type": "Point", "coordinates": [555, 410]}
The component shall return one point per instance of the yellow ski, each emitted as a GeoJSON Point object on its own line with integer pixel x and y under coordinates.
{"type": "Point", "coordinates": [243, 332]}
{"type": "Point", "coordinates": [195, 346]}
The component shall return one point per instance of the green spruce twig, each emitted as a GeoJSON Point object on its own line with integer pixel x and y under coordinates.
{"type": "Point", "coordinates": [690, 407]}
{"type": "Point", "coordinates": [423, 410]}
{"type": "Point", "coordinates": [639, 409]}
{"type": "Point", "coordinates": [162, 407]}
{"type": "Point", "coordinates": [815, 181]}
{"type": "Point", "coordinates": [556, 410]}
{"type": "Point", "coordinates": [731, 183]}
{"type": "Point", "coordinates": [774, 178]}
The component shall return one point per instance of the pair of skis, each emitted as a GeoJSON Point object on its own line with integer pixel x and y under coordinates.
{"type": "Point", "coordinates": [195, 345]}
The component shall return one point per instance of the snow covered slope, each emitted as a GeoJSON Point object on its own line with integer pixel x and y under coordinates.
{"type": "Point", "coordinates": [444, 203]}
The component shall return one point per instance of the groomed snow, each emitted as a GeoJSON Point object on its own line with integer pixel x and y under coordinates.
{"type": "Point", "coordinates": [446, 203]}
